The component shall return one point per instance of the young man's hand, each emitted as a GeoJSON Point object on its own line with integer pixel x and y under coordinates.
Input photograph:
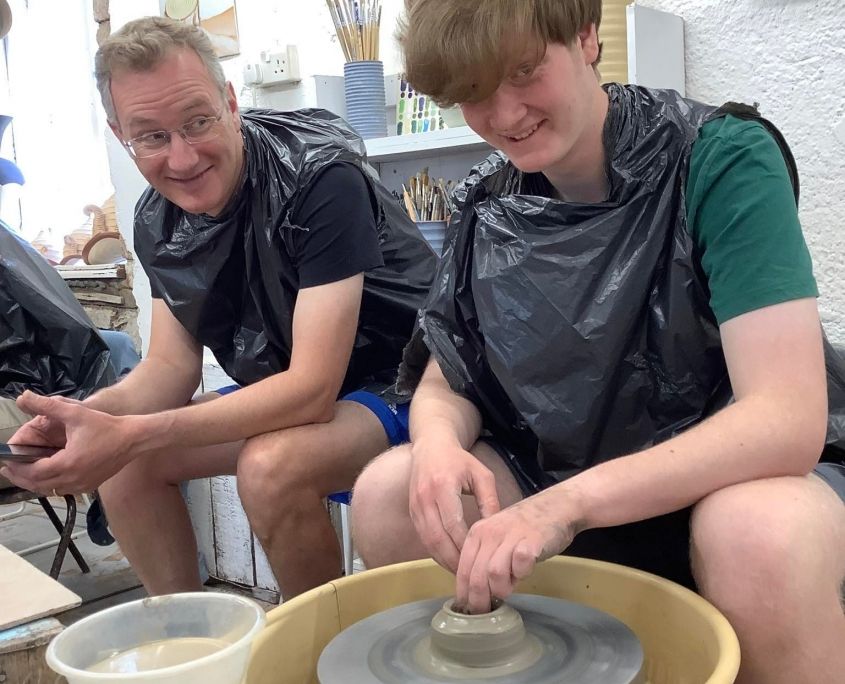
{"type": "Point", "coordinates": [440, 473]}
{"type": "Point", "coordinates": [502, 549]}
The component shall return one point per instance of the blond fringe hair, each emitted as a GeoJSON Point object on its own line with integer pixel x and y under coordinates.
{"type": "Point", "coordinates": [142, 44]}
{"type": "Point", "coordinates": [461, 50]}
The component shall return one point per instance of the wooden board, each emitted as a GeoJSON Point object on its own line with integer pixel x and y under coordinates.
{"type": "Point", "coordinates": [28, 636]}
{"type": "Point", "coordinates": [22, 653]}
{"type": "Point", "coordinates": [84, 271]}
{"type": "Point", "coordinates": [26, 593]}
{"type": "Point", "coordinates": [98, 297]}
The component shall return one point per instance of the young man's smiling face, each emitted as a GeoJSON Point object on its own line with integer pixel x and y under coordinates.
{"type": "Point", "coordinates": [540, 116]}
{"type": "Point", "coordinates": [200, 177]}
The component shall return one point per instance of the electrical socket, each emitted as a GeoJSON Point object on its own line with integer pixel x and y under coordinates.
{"type": "Point", "coordinates": [274, 68]}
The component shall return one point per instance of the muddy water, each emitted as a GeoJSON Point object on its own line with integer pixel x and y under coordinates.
{"type": "Point", "coordinates": [158, 654]}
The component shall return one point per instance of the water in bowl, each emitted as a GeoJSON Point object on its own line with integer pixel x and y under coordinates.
{"type": "Point", "coordinates": [158, 654]}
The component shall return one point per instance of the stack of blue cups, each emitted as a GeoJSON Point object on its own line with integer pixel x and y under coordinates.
{"type": "Point", "coordinates": [434, 233]}
{"type": "Point", "coordinates": [365, 103]}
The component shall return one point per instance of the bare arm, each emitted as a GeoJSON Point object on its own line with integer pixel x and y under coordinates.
{"type": "Point", "coordinates": [325, 322]}
{"type": "Point", "coordinates": [165, 379]}
{"type": "Point", "coordinates": [167, 376]}
{"type": "Point", "coordinates": [97, 444]}
{"type": "Point", "coordinates": [776, 426]}
{"type": "Point", "coordinates": [438, 414]}
{"type": "Point", "coordinates": [444, 426]}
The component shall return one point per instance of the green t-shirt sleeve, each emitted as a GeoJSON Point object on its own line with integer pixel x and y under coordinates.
{"type": "Point", "coordinates": [743, 220]}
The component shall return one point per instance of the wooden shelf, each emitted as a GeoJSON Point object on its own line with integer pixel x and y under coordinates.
{"type": "Point", "coordinates": [424, 145]}
{"type": "Point", "coordinates": [96, 272]}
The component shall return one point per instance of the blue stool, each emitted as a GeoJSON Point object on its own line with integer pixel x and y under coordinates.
{"type": "Point", "coordinates": [344, 499]}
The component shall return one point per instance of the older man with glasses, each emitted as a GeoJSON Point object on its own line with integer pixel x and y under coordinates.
{"type": "Point", "coordinates": [266, 240]}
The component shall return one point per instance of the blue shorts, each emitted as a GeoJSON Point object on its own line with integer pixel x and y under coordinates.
{"type": "Point", "coordinates": [393, 417]}
{"type": "Point", "coordinates": [228, 389]}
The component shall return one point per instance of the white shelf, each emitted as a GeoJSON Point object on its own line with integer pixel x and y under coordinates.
{"type": "Point", "coordinates": [423, 145]}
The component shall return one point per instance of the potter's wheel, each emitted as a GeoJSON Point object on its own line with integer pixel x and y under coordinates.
{"type": "Point", "coordinates": [556, 641]}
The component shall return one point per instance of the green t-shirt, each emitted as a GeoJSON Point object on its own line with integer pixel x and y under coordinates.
{"type": "Point", "coordinates": [742, 217]}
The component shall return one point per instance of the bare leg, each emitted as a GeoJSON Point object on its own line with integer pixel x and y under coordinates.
{"type": "Point", "coordinates": [149, 518]}
{"type": "Point", "coordinates": [381, 521]}
{"type": "Point", "coordinates": [283, 478]}
{"type": "Point", "coordinates": [770, 555]}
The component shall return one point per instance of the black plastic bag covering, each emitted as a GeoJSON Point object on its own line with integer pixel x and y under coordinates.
{"type": "Point", "coordinates": [835, 362]}
{"type": "Point", "coordinates": [583, 331]}
{"type": "Point", "coordinates": [228, 281]}
{"type": "Point", "coordinates": [47, 342]}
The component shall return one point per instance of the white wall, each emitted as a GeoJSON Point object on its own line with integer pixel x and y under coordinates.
{"type": "Point", "coordinates": [788, 55]}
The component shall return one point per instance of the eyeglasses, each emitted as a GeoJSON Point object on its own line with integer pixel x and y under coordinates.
{"type": "Point", "coordinates": [198, 130]}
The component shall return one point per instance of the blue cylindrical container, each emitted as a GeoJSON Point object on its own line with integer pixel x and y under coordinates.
{"type": "Point", "coordinates": [365, 103]}
{"type": "Point", "coordinates": [434, 233]}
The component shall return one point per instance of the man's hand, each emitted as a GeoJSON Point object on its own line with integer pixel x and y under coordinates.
{"type": "Point", "coordinates": [440, 473]}
{"type": "Point", "coordinates": [93, 446]}
{"type": "Point", "coordinates": [502, 549]}
{"type": "Point", "coordinates": [43, 431]}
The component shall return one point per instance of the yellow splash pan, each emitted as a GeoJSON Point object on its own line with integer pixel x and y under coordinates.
{"type": "Point", "coordinates": [685, 639]}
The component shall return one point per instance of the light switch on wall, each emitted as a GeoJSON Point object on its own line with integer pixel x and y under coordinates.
{"type": "Point", "coordinates": [839, 131]}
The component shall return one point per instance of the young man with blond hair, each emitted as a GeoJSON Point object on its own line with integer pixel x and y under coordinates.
{"type": "Point", "coordinates": [626, 355]}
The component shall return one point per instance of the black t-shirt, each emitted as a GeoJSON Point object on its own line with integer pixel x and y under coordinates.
{"type": "Point", "coordinates": [304, 217]}
{"type": "Point", "coordinates": [337, 213]}
{"type": "Point", "coordinates": [340, 238]}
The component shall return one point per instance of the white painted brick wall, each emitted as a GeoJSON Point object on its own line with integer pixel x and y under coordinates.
{"type": "Point", "coordinates": [788, 55]}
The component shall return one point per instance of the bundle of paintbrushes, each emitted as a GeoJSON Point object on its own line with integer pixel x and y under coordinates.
{"type": "Point", "coordinates": [357, 25]}
{"type": "Point", "coordinates": [426, 199]}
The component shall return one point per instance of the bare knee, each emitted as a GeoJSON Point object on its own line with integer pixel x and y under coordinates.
{"type": "Point", "coordinates": [758, 547]}
{"type": "Point", "coordinates": [381, 523]}
{"type": "Point", "coordinates": [272, 478]}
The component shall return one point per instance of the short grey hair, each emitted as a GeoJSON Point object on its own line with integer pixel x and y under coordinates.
{"type": "Point", "coordinates": [142, 44]}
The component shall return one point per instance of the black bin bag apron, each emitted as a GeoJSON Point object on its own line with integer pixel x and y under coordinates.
{"type": "Point", "coordinates": [232, 280]}
{"type": "Point", "coordinates": [583, 331]}
{"type": "Point", "coordinates": [48, 344]}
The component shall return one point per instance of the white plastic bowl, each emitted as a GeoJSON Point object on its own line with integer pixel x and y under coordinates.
{"type": "Point", "coordinates": [225, 617]}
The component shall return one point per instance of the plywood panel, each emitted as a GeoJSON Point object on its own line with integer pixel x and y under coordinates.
{"type": "Point", "coordinates": [26, 593]}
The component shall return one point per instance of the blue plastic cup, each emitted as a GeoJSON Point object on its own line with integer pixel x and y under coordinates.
{"type": "Point", "coordinates": [434, 233]}
{"type": "Point", "coordinates": [365, 103]}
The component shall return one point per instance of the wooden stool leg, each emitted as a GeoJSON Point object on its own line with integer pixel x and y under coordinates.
{"type": "Point", "coordinates": [65, 531]}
